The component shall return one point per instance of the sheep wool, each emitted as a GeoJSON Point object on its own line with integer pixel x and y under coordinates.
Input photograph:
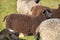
{"type": "Point", "coordinates": [25, 6]}
{"type": "Point", "coordinates": [49, 29]}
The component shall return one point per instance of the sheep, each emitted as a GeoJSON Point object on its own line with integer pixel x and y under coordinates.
{"type": "Point", "coordinates": [25, 6]}
{"type": "Point", "coordinates": [56, 12]}
{"type": "Point", "coordinates": [48, 30]}
{"type": "Point", "coordinates": [24, 23]}
{"type": "Point", "coordinates": [7, 34]}
{"type": "Point", "coordinates": [38, 8]}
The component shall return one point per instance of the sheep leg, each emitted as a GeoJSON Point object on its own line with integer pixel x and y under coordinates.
{"type": "Point", "coordinates": [37, 36]}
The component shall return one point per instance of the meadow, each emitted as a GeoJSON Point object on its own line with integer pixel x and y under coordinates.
{"type": "Point", "coordinates": [9, 6]}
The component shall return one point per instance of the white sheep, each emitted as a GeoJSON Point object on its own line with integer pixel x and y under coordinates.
{"type": "Point", "coordinates": [49, 30]}
{"type": "Point", "coordinates": [25, 6]}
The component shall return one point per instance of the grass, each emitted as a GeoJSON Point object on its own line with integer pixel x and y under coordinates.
{"type": "Point", "coordinates": [9, 6]}
{"type": "Point", "coordinates": [28, 38]}
{"type": "Point", "coordinates": [6, 7]}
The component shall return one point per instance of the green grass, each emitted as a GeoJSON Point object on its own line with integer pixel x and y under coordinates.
{"type": "Point", "coordinates": [50, 3]}
{"type": "Point", "coordinates": [9, 6]}
{"type": "Point", "coordinates": [28, 37]}
{"type": "Point", "coordinates": [6, 7]}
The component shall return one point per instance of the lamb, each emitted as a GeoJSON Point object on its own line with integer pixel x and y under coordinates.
{"type": "Point", "coordinates": [38, 8]}
{"type": "Point", "coordinates": [24, 23]}
{"type": "Point", "coordinates": [25, 6]}
{"type": "Point", "coordinates": [48, 30]}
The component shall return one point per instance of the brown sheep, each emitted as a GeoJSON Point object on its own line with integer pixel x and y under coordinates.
{"type": "Point", "coordinates": [23, 23]}
{"type": "Point", "coordinates": [55, 12]}
{"type": "Point", "coordinates": [39, 8]}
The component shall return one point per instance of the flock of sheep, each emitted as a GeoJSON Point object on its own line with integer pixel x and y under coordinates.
{"type": "Point", "coordinates": [35, 19]}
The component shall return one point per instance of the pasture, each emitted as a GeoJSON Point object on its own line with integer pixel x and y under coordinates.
{"type": "Point", "coordinates": [9, 6]}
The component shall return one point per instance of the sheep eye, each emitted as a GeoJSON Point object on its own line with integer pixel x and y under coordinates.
{"type": "Point", "coordinates": [44, 12]}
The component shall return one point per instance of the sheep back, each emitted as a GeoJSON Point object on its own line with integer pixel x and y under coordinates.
{"type": "Point", "coordinates": [49, 29]}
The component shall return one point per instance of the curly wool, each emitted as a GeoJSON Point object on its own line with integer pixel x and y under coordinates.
{"type": "Point", "coordinates": [49, 29]}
